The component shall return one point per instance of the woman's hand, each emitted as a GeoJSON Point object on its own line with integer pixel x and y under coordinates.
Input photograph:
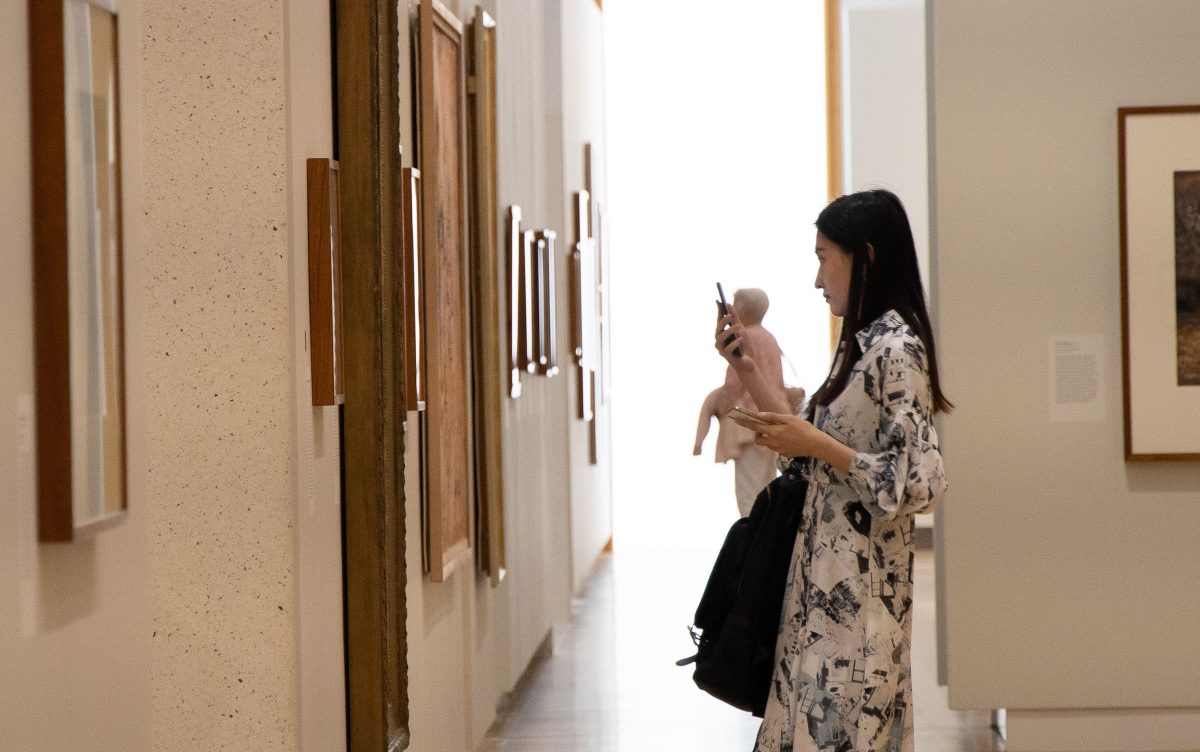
{"type": "Point", "coordinates": [730, 336]}
{"type": "Point", "coordinates": [793, 436]}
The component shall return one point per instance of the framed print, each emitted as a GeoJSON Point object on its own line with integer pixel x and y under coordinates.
{"type": "Point", "coordinates": [529, 303]}
{"type": "Point", "coordinates": [547, 304]}
{"type": "Point", "coordinates": [78, 267]}
{"type": "Point", "coordinates": [325, 283]}
{"type": "Point", "coordinates": [481, 87]}
{"type": "Point", "coordinates": [583, 307]}
{"type": "Point", "coordinates": [1159, 176]}
{"type": "Point", "coordinates": [514, 246]}
{"type": "Point", "coordinates": [414, 296]}
{"type": "Point", "coordinates": [448, 429]}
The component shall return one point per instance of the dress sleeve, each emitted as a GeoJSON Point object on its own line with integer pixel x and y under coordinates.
{"type": "Point", "coordinates": [906, 475]}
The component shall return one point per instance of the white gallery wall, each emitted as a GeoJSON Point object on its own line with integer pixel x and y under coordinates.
{"type": "Point", "coordinates": [884, 137]}
{"type": "Point", "coordinates": [1070, 574]}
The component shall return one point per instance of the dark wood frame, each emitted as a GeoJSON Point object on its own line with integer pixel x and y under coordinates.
{"type": "Point", "coordinates": [325, 310]}
{"type": "Point", "coordinates": [367, 140]}
{"type": "Point", "coordinates": [448, 435]}
{"type": "Point", "coordinates": [1127, 304]}
{"type": "Point", "coordinates": [57, 518]}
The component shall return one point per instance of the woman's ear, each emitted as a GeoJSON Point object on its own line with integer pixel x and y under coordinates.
{"type": "Point", "coordinates": [870, 254]}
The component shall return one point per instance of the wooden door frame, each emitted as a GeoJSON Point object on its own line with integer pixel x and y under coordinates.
{"type": "Point", "coordinates": [368, 153]}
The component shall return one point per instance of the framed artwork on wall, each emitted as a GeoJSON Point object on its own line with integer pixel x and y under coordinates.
{"type": "Point", "coordinates": [547, 303]}
{"type": "Point", "coordinates": [530, 273]}
{"type": "Point", "coordinates": [583, 287]}
{"type": "Point", "coordinates": [514, 250]}
{"type": "Point", "coordinates": [325, 284]}
{"type": "Point", "coordinates": [414, 296]}
{"type": "Point", "coordinates": [448, 438]}
{"type": "Point", "coordinates": [1159, 176]}
{"type": "Point", "coordinates": [489, 460]}
{"type": "Point", "coordinates": [78, 267]}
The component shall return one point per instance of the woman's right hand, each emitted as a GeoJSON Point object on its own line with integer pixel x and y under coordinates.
{"type": "Point", "coordinates": [730, 336]}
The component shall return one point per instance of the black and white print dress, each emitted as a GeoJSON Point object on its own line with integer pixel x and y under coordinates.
{"type": "Point", "coordinates": [842, 681]}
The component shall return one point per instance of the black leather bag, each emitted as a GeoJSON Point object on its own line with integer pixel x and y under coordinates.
{"type": "Point", "coordinates": [738, 614]}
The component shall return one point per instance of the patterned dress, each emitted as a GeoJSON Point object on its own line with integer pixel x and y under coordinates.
{"type": "Point", "coordinates": [842, 680]}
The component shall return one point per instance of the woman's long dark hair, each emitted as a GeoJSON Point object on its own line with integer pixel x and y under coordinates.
{"type": "Point", "coordinates": [891, 281]}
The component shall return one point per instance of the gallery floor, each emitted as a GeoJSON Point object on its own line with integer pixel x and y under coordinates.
{"type": "Point", "coordinates": [611, 684]}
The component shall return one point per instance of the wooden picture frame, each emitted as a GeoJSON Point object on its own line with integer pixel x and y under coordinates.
{"type": "Point", "coordinates": [529, 301]}
{"type": "Point", "coordinates": [489, 456]}
{"type": "Point", "coordinates": [1159, 177]}
{"type": "Point", "coordinates": [547, 363]}
{"type": "Point", "coordinates": [414, 295]}
{"type": "Point", "coordinates": [514, 249]}
{"type": "Point", "coordinates": [78, 268]}
{"type": "Point", "coordinates": [583, 306]}
{"type": "Point", "coordinates": [448, 428]}
{"type": "Point", "coordinates": [325, 311]}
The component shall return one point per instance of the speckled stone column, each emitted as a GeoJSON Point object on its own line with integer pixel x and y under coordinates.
{"type": "Point", "coordinates": [219, 382]}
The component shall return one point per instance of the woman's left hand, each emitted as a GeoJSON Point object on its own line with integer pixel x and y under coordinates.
{"type": "Point", "coordinates": [790, 435]}
{"type": "Point", "coordinates": [793, 436]}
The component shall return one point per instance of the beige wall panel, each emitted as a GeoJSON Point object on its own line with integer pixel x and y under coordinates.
{"type": "Point", "coordinates": [1067, 570]}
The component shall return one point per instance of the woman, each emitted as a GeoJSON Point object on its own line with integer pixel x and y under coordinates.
{"type": "Point", "coordinates": [841, 680]}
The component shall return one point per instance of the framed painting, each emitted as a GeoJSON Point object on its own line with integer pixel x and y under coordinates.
{"type": "Point", "coordinates": [530, 310]}
{"type": "Point", "coordinates": [448, 427]}
{"type": "Point", "coordinates": [514, 250]}
{"type": "Point", "coordinates": [547, 360]}
{"type": "Point", "coordinates": [583, 306]}
{"type": "Point", "coordinates": [414, 297]}
{"type": "Point", "coordinates": [1159, 176]}
{"type": "Point", "coordinates": [489, 461]}
{"type": "Point", "coordinates": [78, 267]}
{"type": "Point", "coordinates": [325, 311]}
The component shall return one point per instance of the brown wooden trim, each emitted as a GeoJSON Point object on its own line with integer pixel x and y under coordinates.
{"type": "Point", "coordinates": [373, 450]}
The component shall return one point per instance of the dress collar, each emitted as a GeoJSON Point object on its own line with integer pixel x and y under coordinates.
{"type": "Point", "coordinates": [888, 322]}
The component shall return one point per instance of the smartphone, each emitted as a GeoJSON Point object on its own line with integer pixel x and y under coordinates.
{"type": "Point", "coordinates": [746, 416]}
{"type": "Point", "coordinates": [737, 351]}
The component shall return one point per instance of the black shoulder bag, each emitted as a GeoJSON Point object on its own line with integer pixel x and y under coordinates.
{"type": "Point", "coordinates": [738, 615]}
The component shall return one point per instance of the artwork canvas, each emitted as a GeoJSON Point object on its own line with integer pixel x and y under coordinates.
{"type": "Point", "coordinates": [1159, 175]}
{"type": "Point", "coordinates": [448, 427]}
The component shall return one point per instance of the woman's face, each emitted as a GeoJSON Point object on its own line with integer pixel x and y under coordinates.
{"type": "Point", "coordinates": [833, 274]}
